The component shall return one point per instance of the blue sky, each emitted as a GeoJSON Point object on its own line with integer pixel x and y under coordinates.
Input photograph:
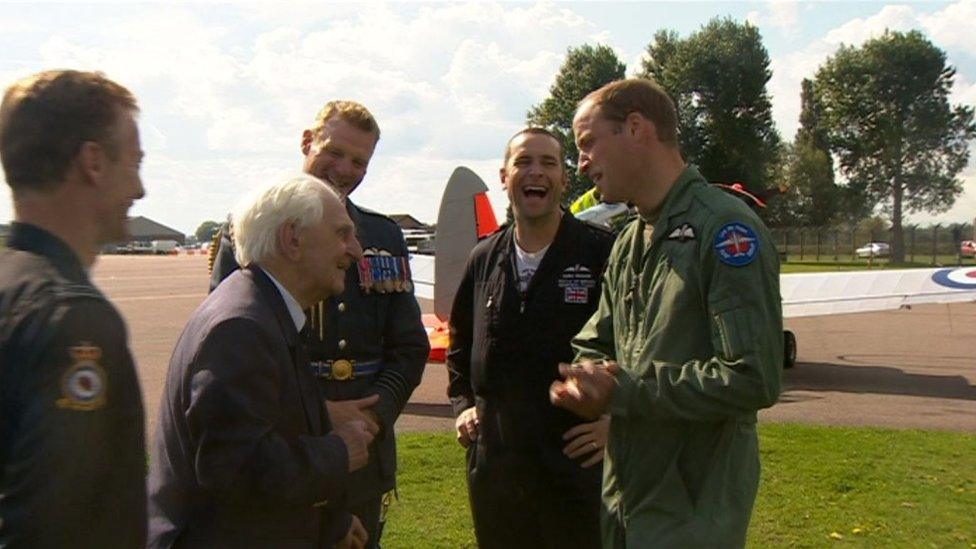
{"type": "Point", "coordinates": [226, 90]}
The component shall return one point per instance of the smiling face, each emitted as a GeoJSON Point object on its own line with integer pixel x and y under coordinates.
{"type": "Point", "coordinates": [339, 153]}
{"type": "Point", "coordinates": [119, 183]}
{"type": "Point", "coordinates": [328, 249]}
{"type": "Point", "coordinates": [534, 176]}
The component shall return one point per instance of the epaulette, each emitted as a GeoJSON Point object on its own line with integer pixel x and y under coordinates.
{"type": "Point", "coordinates": [212, 252]}
{"type": "Point", "coordinates": [74, 291]}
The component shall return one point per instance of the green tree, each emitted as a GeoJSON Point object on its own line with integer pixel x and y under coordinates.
{"type": "Point", "coordinates": [717, 78]}
{"type": "Point", "coordinates": [888, 121]}
{"type": "Point", "coordinates": [206, 231]}
{"type": "Point", "coordinates": [586, 69]}
{"type": "Point", "coordinates": [810, 170]}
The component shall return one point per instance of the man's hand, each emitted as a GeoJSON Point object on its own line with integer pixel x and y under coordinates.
{"type": "Point", "coordinates": [587, 438]}
{"type": "Point", "coordinates": [356, 537]}
{"type": "Point", "coordinates": [344, 411]}
{"type": "Point", "coordinates": [357, 436]}
{"type": "Point", "coordinates": [586, 387]}
{"type": "Point", "coordinates": [467, 425]}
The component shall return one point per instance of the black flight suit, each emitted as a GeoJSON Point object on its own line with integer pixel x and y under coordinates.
{"type": "Point", "coordinates": [72, 448]}
{"type": "Point", "coordinates": [374, 326]}
{"type": "Point", "coordinates": [505, 351]}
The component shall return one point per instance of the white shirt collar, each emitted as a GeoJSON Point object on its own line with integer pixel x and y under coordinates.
{"type": "Point", "coordinates": [294, 309]}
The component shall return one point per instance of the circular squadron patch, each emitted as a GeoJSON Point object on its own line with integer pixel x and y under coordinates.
{"type": "Point", "coordinates": [963, 278]}
{"type": "Point", "coordinates": [736, 244]}
{"type": "Point", "coordinates": [83, 385]}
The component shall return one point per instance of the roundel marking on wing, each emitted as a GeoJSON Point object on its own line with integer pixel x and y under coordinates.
{"type": "Point", "coordinates": [963, 278]}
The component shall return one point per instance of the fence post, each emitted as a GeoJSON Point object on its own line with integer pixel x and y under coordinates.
{"type": "Point", "coordinates": [854, 244]}
{"type": "Point", "coordinates": [818, 244]}
{"type": "Point", "coordinates": [912, 245]}
{"type": "Point", "coordinates": [935, 242]}
{"type": "Point", "coordinates": [801, 244]}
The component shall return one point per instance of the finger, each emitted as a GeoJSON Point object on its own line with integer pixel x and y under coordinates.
{"type": "Point", "coordinates": [576, 431]}
{"type": "Point", "coordinates": [597, 457]}
{"type": "Point", "coordinates": [564, 369]}
{"type": "Point", "coordinates": [577, 449]}
{"type": "Point", "coordinates": [472, 429]}
{"type": "Point", "coordinates": [612, 366]}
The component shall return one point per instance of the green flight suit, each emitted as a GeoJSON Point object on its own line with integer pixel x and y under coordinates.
{"type": "Point", "coordinates": [700, 344]}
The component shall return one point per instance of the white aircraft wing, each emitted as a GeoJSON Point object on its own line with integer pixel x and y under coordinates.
{"type": "Point", "coordinates": [810, 294]}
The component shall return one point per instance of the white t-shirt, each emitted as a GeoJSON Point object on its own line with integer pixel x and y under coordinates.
{"type": "Point", "coordinates": [526, 265]}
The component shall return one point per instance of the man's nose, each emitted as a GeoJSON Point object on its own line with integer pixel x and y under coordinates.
{"type": "Point", "coordinates": [355, 249]}
{"type": "Point", "coordinates": [583, 165]}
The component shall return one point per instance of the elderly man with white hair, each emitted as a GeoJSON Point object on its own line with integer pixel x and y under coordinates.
{"type": "Point", "coordinates": [245, 454]}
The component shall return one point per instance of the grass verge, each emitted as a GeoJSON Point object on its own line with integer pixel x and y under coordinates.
{"type": "Point", "coordinates": [821, 486]}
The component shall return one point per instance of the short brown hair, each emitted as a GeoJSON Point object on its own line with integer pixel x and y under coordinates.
{"type": "Point", "coordinates": [535, 131]}
{"type": "Point", "coordinates": [46, 117]}
{"type": "Point", "coordinates": [618, 99]}
{"type": "Point", "coordinates": [352, 112]}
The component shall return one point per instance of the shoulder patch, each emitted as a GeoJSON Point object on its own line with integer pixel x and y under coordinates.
{"type": "Point", "coordinates": [84, 385]}
{"type": "Point", "coordinates": [736, 244]}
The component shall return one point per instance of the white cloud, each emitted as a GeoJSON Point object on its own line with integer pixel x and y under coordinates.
{"type": "Point", "coordinates": [781, 14]}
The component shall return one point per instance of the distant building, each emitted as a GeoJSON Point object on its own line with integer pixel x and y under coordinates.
{"type": "Point", "coordinates": [407, 221]}
{"type": "Point", "coordinates": [144, 229]}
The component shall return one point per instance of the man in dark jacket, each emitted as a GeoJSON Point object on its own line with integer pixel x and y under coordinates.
{"type": "Point", "coordinates": [525, 293]}
{"type": "Point", "coordinates": [72, 451]}
{"type": "Point", "coordinates": [245, 454]}
{"type": "Point", "coordinates": [367, 344]}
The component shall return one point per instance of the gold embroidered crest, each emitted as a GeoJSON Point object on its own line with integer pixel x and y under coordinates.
{"type": "Point", "coordinates": [84, 385]}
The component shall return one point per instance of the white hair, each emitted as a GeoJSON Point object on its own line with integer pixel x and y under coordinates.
{"type": "Point", "coordinates": [299, 199]}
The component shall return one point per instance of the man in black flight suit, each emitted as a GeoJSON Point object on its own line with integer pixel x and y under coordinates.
{"type": "Point", "coordinates": [367, 345]}
{"type": "Point", "coordinates": [526, 291]}
{"type": "Point", "coordinates": [72, 451]}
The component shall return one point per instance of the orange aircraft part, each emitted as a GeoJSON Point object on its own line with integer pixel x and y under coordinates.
{"type": "Point", "coordinates": [439, 337]}
{"type": "Point", "coordinates": [484, 216]}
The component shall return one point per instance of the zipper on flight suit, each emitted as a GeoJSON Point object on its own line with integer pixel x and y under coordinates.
{"type": "Point", "coordinates": [723, 335]}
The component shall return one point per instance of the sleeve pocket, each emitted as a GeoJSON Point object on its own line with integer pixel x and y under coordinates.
{"type": "Point", "coordinates": [731, 329]}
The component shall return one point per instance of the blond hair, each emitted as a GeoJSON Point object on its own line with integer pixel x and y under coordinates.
{"type": "Point", "coordinates": [352, 112]}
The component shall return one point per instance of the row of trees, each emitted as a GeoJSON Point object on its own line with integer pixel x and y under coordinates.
{"type": "Point", "coordinates": [878, 116]}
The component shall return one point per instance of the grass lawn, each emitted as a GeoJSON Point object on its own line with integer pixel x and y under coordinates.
{"type": "Point", "coordinates": [821, 486]}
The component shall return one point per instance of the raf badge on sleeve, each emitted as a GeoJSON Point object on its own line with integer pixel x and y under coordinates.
{"type": "Point", "coordinates": [84, 385]}
{"type": "Point", "coordinates": [576, 282]}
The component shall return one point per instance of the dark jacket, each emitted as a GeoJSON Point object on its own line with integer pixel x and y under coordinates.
{"type": "Point", "coordinates": [72, 451]}
{"type": "Point", "coordinates": [370, 322]}
{"type": "Point", "coordinates": [242, 455]}
{"type": "Point", "coordinates": [506, 347]}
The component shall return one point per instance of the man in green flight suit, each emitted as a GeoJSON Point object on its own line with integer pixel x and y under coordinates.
{"type": "Point", "coordinates": [686, 343]}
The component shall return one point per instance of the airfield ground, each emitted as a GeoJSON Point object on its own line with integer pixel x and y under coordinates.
{"type": "Point", "coordinates": [906, 369]}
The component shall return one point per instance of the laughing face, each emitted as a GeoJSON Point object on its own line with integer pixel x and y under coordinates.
{"type": "Point", "coordinates": [339, 154]}
{"type": "Point", "coordinates": [534, 176]}
{"type": "Point", "coordinates": [329, 247]}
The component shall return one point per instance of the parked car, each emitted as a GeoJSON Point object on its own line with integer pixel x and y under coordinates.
{"type": "Point", "coordinates": [874, 249]}
{"type": "Point", "coordinates": [967, 248]}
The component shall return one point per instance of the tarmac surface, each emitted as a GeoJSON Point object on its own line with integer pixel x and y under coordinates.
{"type": "Point", "coordinates": [905, 369]}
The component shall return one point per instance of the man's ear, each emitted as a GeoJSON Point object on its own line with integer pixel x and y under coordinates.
{"type": "Point", "coordinates": [290, 240]}
{"type": "Point", "coordinates": [503, 177]}
{"type": "Point", "coordinates": [307, 138]}
{"type": "Point", "coordinates": [641, 127]}
{"type": "Point", "coordinates": [91, 162]}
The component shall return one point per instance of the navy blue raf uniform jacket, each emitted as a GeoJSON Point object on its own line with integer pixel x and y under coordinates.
{"type": "Point", "coordinates": [368, 340]}
{"type": "Point", "coordinates": [242, 455]}
{"type": "Point", "coordinates": [506, 345]}
{"type": "Point", "coordinates": [72, 451]}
